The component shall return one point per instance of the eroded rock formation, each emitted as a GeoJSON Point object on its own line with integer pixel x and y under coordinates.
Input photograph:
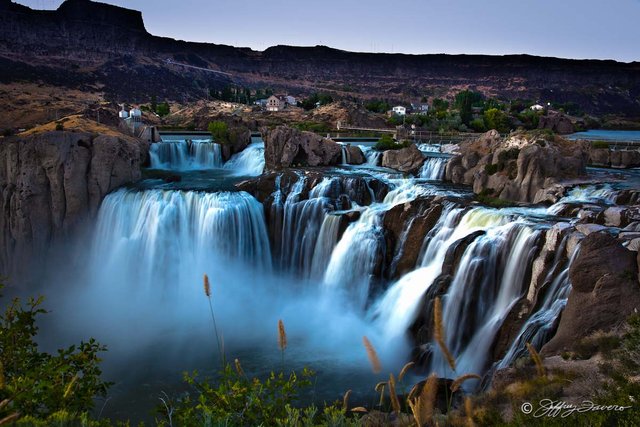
{"type": "Point", "coordinates": [408, 159]}
{"type": "Point", "coordinates": [286, 147]}
{"type": "Point", "coordinates": [520, 168]}
{"type": "Point", "coordinates": [51, 182]}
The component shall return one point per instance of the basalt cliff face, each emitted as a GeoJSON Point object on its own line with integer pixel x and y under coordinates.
{"type": "Point", "coordinates": [94, 46]}
{"type": "Point", "coordinates": [50, 182]}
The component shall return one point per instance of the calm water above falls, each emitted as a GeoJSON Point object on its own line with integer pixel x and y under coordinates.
{"type": "Point", "coordinates": [141, 287]}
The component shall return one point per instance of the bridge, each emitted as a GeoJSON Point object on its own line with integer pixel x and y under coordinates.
{"type": "Point", "coordinates": [401, 132]}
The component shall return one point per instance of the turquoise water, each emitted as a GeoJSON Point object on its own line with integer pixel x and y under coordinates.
{"type": "Point", "coordinates": [607, 135]}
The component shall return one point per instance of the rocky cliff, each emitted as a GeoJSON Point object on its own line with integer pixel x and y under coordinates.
{"type": "Point", "coordinates": [50, 182]}
{"type": "Point", "coordinates": [521, 168]}
{"type": "Point", "coordinates": [95, 46]}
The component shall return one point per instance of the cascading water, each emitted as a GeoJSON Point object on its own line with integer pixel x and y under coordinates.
{"type": "Point", "coordinates": [185, 155]}
{"type": "Point", "coordinates": [434, 168]}
{"type": "Point", "coordinates": [373, 156]}
{"type": "Point", "coordinates": [585, 194]}
{"type": "Point", "coordinates": [540, 325]}
{"type": "Point", "coordinates": [248, 162]}
{"type": "Point", "coordinates": [489, 281]}
{"type": "Point", "coordinates": [158, 237]}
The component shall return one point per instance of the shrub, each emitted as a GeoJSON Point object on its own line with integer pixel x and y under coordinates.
{"type": "Point", "coordinates": [477, 125]}
{"type": "Point", "coordinates": [388, 143]}
{"type": "Point", "coordinates": [219, 131]}
{"type": "Point", "coordinates": [39, 384]}
{"type": "Point", "coordinates": [59, 126]}
{"type": "Point", "coordinates": [600, 144]}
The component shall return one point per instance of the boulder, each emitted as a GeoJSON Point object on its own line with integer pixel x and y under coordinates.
{"type": "Point", "coordinates": [625, 159]}
{"type": "Point", "coordinates": [286, 147]}
{"type": "Point", "coordinates": [408, 159]}
{"type": "Point", "coordinates": [354, 155]}
{"type": "Point", "coordinates": [604, 285]}
{"type": "Point", "coordinates": [557, 122]}
{"type": "Point", "coordinates": [239, 139]}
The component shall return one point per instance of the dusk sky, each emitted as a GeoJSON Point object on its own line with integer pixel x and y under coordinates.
{"type": "Point", "coordinates": [564, 28]}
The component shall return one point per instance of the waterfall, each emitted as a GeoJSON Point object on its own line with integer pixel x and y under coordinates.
{"type": "Point", "coordinates": [343, 155]}
{"type": "Point", "coordinates": [540, 325]}
{"type": "Point", "coordinates": [185, 155]}
{"type": "Point", "coordinates": [398, 307]}
{"type": "Point", "coordinates": [353, 262]}
{"type": "Point", "coordinates": [585, 194]}
{"type": "Point", "coordinates": [489, 280]}
{"type": "Point", "coordinates": [373, 156]}
{"type": "Point", "coordinates": [434, 168]}
{"type": "Point", "coordinates": [158, 239]}
{"type": "Point", "coordinates": [429, 148]}
{"type": "Point", "coordinates": [248, 162]}
{"type": "Point", "coordinates": [327, 239]}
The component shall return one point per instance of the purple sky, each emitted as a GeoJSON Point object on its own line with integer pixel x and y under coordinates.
{"type": "Point", "coordinates": [564, 28]}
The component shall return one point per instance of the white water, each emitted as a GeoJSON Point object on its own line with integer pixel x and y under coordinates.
{"type": "Point", "coordinates": [434, 168]}
{"type": "Point", "coordinates": [373, 156]}
{"type": "Point", "coordinates": [585, 194]}
{"type": "Point", "coordinates": [248, 162]}
{"type": "Point", "coordinates": [489, 281]}
{"type": "Point", "coordinates": [185, 155]}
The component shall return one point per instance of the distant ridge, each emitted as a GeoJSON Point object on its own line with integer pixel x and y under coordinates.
{"type": "Point", "coordinates": [88, 44]}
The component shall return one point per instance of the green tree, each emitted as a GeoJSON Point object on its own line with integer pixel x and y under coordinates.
{"type": "Point", "coordinates": [219, 131]}
{"type": "Point", "coordinates": [496, 119]}
{"type": "Point", "coordinates": [440, 105]}
{"type": "Point", "coordinates": [163, 109]}
{"type": "Point", "coordinates": [464, 101]}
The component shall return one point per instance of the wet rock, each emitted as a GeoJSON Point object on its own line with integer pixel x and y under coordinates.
{"type": "Point", "coordinates": [408, 159]}
{"type": "Point", "coordinates": [239, 139]}
{"type": "Point", "coordinates": [406, 226]}
{"type": "Point", "coordinates": [587, 229]}
{"type": "Point", "coordinates": [286, 147]}
{"type": "Point", "coordinates": [354, 155]}
{"type": "Point", "coordinates": [604, 285]}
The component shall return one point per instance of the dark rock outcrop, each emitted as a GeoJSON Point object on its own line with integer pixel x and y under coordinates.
{"type": "Point", "coordinates": [605, 291]}
{"type": "Point", "coordinates": [557, 122]}
{"type": "Point", "coordinates": [408, 159]}
{"type": "Point", "coordinates": [520, 168]}
{"type": "Point", "coordinates": [239, 139]}
{"type": "Point", "coordinates": [286, 147]}
{"type": "Point", "coordinates": [50, 182]}
{"type": "Point", "coordinates": [354, 155]}
{"type": "Point", "coordinates": [406, 226]}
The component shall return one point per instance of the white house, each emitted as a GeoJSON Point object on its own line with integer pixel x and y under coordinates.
{"type": "Point", "coordinates": [291, 100]}
{"type": "Point", "coordinates": [419, 108]}
{"type": "Point", "coordinates": [536, 107]}
{"type": "Point", "coordinates": [400, 110]}
{"type": "Point", "coordinates": [274, 104]}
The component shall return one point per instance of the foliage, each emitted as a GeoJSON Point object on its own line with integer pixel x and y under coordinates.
{"type": "Point", "coordinates": [464, 101]}
{"type": "Point", "coordinates": [496, 119]}
{"type": "Point", "coordinates": [59, 126]}
{"type": "Point", "coordinates": [219, 131]}
{"type": "Point", "coordinates": [237, 399]}
{"type": "Point", "coordinates": [377, 106]}
{"type": "Point", "coordinates": [440, 105]}
{"type": "Point", "coordinates": [163, 109]}
{"type": "Point", "coordinates": [529, 118]}
{"type": "Point", "coordinates": [395, 120]}
{"type": "Point", "coordinates": [386, 142]}
{"type": "Point", "coordinates": [477, 125]}
{"type": "Point", "coordinates": [41, 384]}
{"type": "Point", "coordinates": [310, 102]}
{"type": "Point", "coordinates": [313, 127]}
{"type": "Point", "coordinates": [599, 144]}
